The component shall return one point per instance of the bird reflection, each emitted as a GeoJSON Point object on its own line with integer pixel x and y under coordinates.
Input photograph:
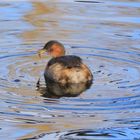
{"type": "Point", "coordinates": [57, 90]}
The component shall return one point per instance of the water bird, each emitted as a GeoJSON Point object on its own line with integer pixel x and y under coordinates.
{"type": "Point", "coordinates": [65, 75]}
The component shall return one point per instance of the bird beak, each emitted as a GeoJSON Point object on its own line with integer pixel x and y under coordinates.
{"type": "Point", "coordinates": [40, 52]}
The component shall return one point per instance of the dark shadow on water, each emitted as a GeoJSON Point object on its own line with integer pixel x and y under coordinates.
{"type": "Point", "coordinates": [88, 1]}
{"type": "Point", "coordinates": [57, 90]}
{"type": "Point", "coordinates": [110, 134]}
{"type": "Point", "coordinates": [131, 133]}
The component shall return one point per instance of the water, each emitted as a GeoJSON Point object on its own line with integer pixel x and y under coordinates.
{"type": "Point", "coordinates": [105, 34]}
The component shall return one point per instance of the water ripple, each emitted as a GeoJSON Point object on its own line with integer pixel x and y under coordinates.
{"type": "Point", "coordinates": [110, 109]}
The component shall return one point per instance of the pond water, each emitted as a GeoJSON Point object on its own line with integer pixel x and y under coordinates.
{"type": "Point", "coordinates": [105, 34]}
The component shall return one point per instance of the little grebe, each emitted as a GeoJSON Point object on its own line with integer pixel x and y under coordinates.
{"type": "Point", "coordinates": [64, 69]}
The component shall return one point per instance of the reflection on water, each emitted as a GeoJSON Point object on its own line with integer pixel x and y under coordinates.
{"type": "Point", "coordinates": [105, 34]}
{"type": "Point", "coordinates": [56, 90]}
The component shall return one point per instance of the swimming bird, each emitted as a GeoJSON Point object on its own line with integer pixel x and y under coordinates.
{"type": "Point", "coordinates": [65, 74]}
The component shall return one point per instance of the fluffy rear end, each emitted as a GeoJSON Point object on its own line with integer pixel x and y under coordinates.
{"type": "Point", "coordinates": [59, 73]}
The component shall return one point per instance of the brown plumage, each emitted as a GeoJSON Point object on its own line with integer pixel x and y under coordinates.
{"type": "Point", "coordinates": [64, 69]}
